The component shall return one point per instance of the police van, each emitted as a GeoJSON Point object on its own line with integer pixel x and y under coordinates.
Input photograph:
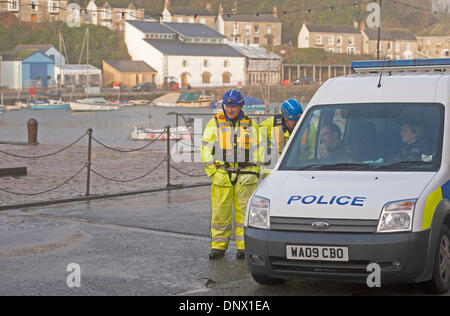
{"type": "Point", "coordinates": [375, 189]}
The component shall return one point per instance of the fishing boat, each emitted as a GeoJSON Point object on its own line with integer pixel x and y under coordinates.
{"type": "Point", "coordinates": [145, 133]}
{"type": "Point", "coordinates": [92, 104]}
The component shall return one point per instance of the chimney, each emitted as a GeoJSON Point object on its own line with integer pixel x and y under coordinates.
{"type": "Point", "coordinates": [362, 26]}
{"type": "Point", "coordinates": [220, 9]}
{"type": "Point", "coordinates": [275, 11]}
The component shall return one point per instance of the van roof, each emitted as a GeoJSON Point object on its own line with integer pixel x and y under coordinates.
{"type": "Point", "coordinates": [396, 86]}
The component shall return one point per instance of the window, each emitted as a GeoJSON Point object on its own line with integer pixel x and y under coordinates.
{"type": "Point", "coordinates": [34, 5]}
{"type": "Point", "coordinates": [247, 41]}
{"type": "Point", "coordinates": [53, 6]}
{"type": "Point", "coordinates": [408, 46]}
{"type": "Point", "coordinates": [397, 47]}
{"type": "Point", "coordinates": [339, 40]}
{"type": "Point", "coordinates": [331, 40]}
{"type": "Point", "coordinates": [256, 40]}
{"type": "Point", "coordinates": [389, 45]}
{"type": "Point", "coordinates": [206, 63]}
{"type": "Point", "coordinates": [235, 29]}
{"type": "Point", "coordinates": [256, 29]}
{"type": "Point", "coordinates": [180, 20]}
{"type": "Point", "coordinates": [226, 64]}
{"type": "Point", "coordinates": [268, 29]}
{"type": "Point", "coordinates": [339, 50]}
{"type": "Point", "coordinates": [131, 14]}
{"type": "Point", "coordinates": [331, 50]}
{"type": "Point", "coordinates": [319, 40]}
{"type": "Point", "coordinates": [445, 53]}
{"type": "Point", "coordinates": [439, 42]}
{"type": "Point", "coordinates": [191, 20]}
{"type": "Point", "coordinates": [368, 137]}
{"type": "Point", "coordinates": [351, 50]}
{"type": "Point", "coordinates": [106, 14]}
{"type": "Point", "coordinates": [248, 29]}
{"type": "Point", "coordinates": [185, 63]}
{"type": "Point", "coordinates": [203, 21]}
{"type": "Point", "coordinates": [13, 5]}
{"type": "Point", "coordinates": [351, 40]}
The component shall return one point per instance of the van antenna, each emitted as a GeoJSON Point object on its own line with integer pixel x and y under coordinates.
{"type": "Point", "coordinates": [382, 67]}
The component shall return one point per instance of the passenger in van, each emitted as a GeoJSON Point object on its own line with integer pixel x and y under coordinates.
{"type": "Point", "coordinates": [413, 144]}
{"type": "Point", "coordinates": [331, 147]}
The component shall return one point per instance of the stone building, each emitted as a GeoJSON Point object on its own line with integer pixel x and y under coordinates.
{"type": "Point", "coordinates": [434, 46]}
{"type": "Point", "coordinates": [36, 10]}
{"type": "Point", "coordinates": [394, 43]}
{"type": "Point", "coordinates": [189, 15]}
{"type": "Point", "coordinates": [344, 39]}
{"type": "Point", "coordinates": [248, 29]}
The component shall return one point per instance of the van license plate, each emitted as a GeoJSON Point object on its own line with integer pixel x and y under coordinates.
{"type": "Point", "coordinates": [317, 253]}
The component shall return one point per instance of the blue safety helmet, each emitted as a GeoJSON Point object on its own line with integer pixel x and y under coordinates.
{"type": "Point", "coordinates": [233, 98]}
{"type": "Point", "coordinates": [291, 110]}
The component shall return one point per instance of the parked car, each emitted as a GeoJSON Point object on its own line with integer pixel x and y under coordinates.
{"type": "Point", "coordinates": [302, 81]}
{"type": "Point", "coordinates": [144, 87]}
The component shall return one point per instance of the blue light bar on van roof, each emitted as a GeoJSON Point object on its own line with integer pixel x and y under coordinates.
{"type": "Point", "coordinates": [399, 64]}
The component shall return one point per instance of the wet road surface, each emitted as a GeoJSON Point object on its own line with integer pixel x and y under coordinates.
{"type": "Point", "coordinates": [153, 244]}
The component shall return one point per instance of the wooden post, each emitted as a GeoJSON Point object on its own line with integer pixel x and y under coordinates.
{"type": "Point", "coordinates": [32, 127]}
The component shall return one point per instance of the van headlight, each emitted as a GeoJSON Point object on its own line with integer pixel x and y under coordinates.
{"type": "Point", "coordinates": [258, 215]}
{"type": "Point", "coordinates": [397, 217]}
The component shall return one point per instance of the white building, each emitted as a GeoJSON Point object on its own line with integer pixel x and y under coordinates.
{"type": "Point", "coordinates": [78, 75]}
{"type": "Point", "coordinates": [194, 54]}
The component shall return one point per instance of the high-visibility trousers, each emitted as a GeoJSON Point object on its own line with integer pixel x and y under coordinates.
{"type": "Point", "coordinates": [223, 199]}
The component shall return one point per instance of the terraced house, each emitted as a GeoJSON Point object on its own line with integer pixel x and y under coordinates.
{"type": "Point", "coordinates": [36, 10]}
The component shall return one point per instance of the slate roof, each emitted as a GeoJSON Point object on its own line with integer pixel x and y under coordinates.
{"type": "Point", "coordinates": [189, 11]}
{"type": "Point", "coordinates": [251, 18]}
{"type": "Point", "coordinates": [130, 66]}
{"type": "Point", "coordinates": [391, 35]}
{"type": "Point", "coordinates": [194, 30]}
{"type": "Point", "coordinates": [151, 27]}
{"type": "Point", "coordinates": [178, 48]}
{"type": "Point", "coordinates": [255, 52]}
{"type": "Point", "coordinates": [325, 28]}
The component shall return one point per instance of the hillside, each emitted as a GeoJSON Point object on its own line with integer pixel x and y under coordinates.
{"type": "Point", "coordinates": [103, 43]}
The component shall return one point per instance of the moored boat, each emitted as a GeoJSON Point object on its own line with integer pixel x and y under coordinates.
{"type": "Point", "coordinates": [92, 104]}
{"type": "Point", "coordinates": [51, 105]}
{"type": "Point", "coordinates": [176, 133]}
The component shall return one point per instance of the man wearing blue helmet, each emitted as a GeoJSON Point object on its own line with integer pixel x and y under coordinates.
{"type": "Point", "coordinates": [275, 132]}
{"type": "Point", "coordinates": [230, 155]}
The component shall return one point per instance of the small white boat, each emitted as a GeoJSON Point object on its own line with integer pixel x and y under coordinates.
{"type": "Point", "coordinates": [176, 133]}
{"type": "Point", "coordinates": [93, 104]}
{"type": "Point", "coordinates": [138, 102]}
{"type": "Point", "coordinates": [17, 106]}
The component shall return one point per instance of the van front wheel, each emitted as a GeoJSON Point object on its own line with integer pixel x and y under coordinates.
{"type": "Point", "coordinates": [265, 280]}
{"type": "Point", "coordinates": [440, 283]}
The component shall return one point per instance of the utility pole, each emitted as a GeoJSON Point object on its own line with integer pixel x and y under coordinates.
{"type": "Point", "coordinates": [379, 33]}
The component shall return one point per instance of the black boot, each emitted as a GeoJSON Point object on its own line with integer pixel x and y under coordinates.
{"type": "Point", "coordinates": [216, 254]}
{"type": "Point", "coordinates": [240, 254]}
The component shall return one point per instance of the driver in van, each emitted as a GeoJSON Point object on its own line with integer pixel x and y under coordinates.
{"type": "Point", "coordinates": [330, 146]}
{"type": "Point", "coordinates": [413, 145]}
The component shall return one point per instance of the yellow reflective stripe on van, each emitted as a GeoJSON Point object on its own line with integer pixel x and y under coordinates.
{"type": "Point", "coordinates": [430, 207]}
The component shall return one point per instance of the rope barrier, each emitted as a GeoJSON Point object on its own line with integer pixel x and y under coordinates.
{"type": "Point", "coordinates": [44, 192]}
{"type": "Point", "coordinates": [187, 174]}
{"type": "Point", "coordinates": [127, 151]}
{"type": "Point", "coordinates": [47, 155]}
{"type": "Point", "coordinates": [131, 180]}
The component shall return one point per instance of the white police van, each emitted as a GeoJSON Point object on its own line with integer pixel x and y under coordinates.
{"type": "Point", "coordinates": [375, 189]}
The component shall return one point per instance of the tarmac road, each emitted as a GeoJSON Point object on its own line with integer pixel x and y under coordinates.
{"type": "Point", "coordinates": [153, 244]}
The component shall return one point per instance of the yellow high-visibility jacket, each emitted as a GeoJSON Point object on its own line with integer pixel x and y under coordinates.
{"type": "Point", "coordinates": [275, 138]}
{"type": "Point", "coordinates": [229, 150]}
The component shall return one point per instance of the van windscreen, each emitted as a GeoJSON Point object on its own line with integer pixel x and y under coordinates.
{"type": "Point", "coordinates": [368, 137]}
